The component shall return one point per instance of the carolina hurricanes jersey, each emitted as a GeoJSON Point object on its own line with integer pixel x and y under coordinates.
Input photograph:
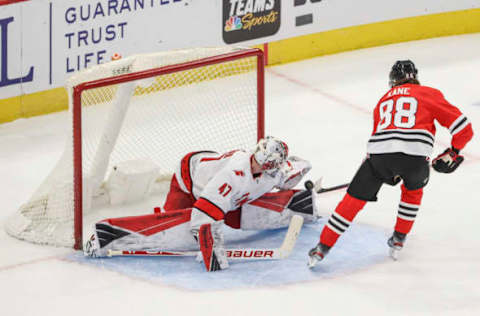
{"type": "Point", "coordinates": [223, 182]}
{"type": "Point", "coordinates": [403, 121]}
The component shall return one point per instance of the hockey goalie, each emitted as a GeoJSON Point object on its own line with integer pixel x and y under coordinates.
{"type": "Point", "coordinates": [209, 190]}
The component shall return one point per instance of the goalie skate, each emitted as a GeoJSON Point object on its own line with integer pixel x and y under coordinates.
{"type": "Point", "coordinates": [92, 248]}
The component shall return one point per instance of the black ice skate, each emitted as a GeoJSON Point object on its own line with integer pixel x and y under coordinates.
{"type": "Point", "coordinates": [317, 254]}
{"type": "Point", "coordinates": [395, 242]}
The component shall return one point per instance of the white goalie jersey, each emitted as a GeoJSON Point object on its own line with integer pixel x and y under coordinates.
{"type": "Point", "coordinates": [222, 183]}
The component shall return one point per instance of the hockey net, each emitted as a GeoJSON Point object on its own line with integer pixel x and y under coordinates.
{"type": "Point", "coordinates": [141, 114]}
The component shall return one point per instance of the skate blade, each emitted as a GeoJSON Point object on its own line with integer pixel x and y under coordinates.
{"type": "Point", "coordinates": [394, 253]}
{"type": "Point", "coordinates": [312, 262]}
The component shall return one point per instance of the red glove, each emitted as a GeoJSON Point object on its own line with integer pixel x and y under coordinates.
{"type": "Point", "coordinates": [447, 161]}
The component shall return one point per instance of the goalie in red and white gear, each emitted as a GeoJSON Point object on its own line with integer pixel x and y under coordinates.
{"type": "Point", "coordinates": [209, 190]}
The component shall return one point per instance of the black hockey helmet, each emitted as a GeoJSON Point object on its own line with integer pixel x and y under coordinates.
{"type": "Point", "coordinates": [403, 71]}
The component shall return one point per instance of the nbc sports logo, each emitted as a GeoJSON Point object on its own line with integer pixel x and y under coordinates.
{"type": "Point", "coordinates": [244, 20]}
{"type": "Point", "coordinates": [233, 23]}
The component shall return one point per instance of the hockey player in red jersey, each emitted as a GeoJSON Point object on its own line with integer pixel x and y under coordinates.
{"type": "Point", "coordinates": [210, 189]}
{"type": "Point", "coordinates": [398, 150]}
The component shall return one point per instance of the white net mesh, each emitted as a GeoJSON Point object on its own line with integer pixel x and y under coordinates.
{"type": "Point", "coordinates": [157, 119]}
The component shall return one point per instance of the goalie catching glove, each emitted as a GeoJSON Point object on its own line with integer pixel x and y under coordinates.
{"type": "Point", "coordinates": [448, 161]}
{"type": "Point", "coordinates": [293, 171]}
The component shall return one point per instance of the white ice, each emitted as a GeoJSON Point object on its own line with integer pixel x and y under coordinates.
{"type": "Point", "coordinates": [321, 107]}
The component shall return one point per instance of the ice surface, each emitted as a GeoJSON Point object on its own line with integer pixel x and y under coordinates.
{"type": "Point", "coordinates": [321, 107]}
{"type": "Point", "coordinates": [361, 248]}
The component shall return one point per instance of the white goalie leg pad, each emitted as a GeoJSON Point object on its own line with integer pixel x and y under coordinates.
{"type": "Point", "coordinates": [304, 203]}
{"type": "Point", "coordinates": [257, 218]}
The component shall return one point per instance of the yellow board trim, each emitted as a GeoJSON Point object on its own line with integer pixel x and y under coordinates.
{"type": "Point", "coordinates": [375, 34]}
{"type": "Point", "coordinates": [33, 104]}
{"type": "Point", "coordinates": [292, 49]}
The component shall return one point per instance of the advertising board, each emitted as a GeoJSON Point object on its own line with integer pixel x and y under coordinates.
{"type": "Point", "coordinates": [45, 41]}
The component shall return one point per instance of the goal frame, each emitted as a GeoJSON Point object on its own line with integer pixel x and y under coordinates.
{"type": "Point", "coordinates": [77, 114]}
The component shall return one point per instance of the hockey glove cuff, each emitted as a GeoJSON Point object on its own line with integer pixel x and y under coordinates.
{"type": "Point", "coordinates": [448, 161]}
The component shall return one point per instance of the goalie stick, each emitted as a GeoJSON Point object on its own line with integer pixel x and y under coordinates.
{"type": "Point", "coordinates": [245, 254]}
{"type": "Point", "coordinates": [317, 186]}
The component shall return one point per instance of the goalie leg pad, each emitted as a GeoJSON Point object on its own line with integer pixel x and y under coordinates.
{"type": "Point", "coordinates": [107, 233]}
{"type": "Point", "coordinates": [211, 247]}
{"type": "Point", "coordinates": [271, 211]}
{"type": "Point", "coordinates": [304, 203]}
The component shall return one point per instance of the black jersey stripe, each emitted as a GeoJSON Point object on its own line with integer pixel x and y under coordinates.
{"type": "Point", "coordinates": [458, 125]}
{"type": "Point", "coordinates": [402, 139]}
{"type": "Point", "coordinates": [340, 221]}
{"type": "Point", "coordinates": [407, 215]}
{"type": "Point", "coordinates": [336, 226]}
{"type": "Point", "coordinates": [408, 208]}
{"type": "Point", "coordinates": [404, 133]}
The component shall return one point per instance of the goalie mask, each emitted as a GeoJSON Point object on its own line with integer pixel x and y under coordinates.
{"type": "Point", "coordinates": [270, 154]}
{"type": "Point", "coordinates": [402, 72]}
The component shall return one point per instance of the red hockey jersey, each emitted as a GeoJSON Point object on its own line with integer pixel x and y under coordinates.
{"type": "Point", "coordinates": [403, 121]}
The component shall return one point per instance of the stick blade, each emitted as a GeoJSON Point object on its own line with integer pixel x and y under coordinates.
{"type": "Point", "coordinates": [312, 262]}
{"type": "Point", "coordinates": [291, 237]}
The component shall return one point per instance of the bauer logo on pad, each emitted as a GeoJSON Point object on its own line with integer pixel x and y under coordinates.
{"type": "Point", "coordinates": [247, 20]}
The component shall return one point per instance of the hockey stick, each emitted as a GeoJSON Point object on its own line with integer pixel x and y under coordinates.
{"type": "Point", "coordinates": [317, 187]}
{"type": "Point", "coordinates": [246, 254]}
